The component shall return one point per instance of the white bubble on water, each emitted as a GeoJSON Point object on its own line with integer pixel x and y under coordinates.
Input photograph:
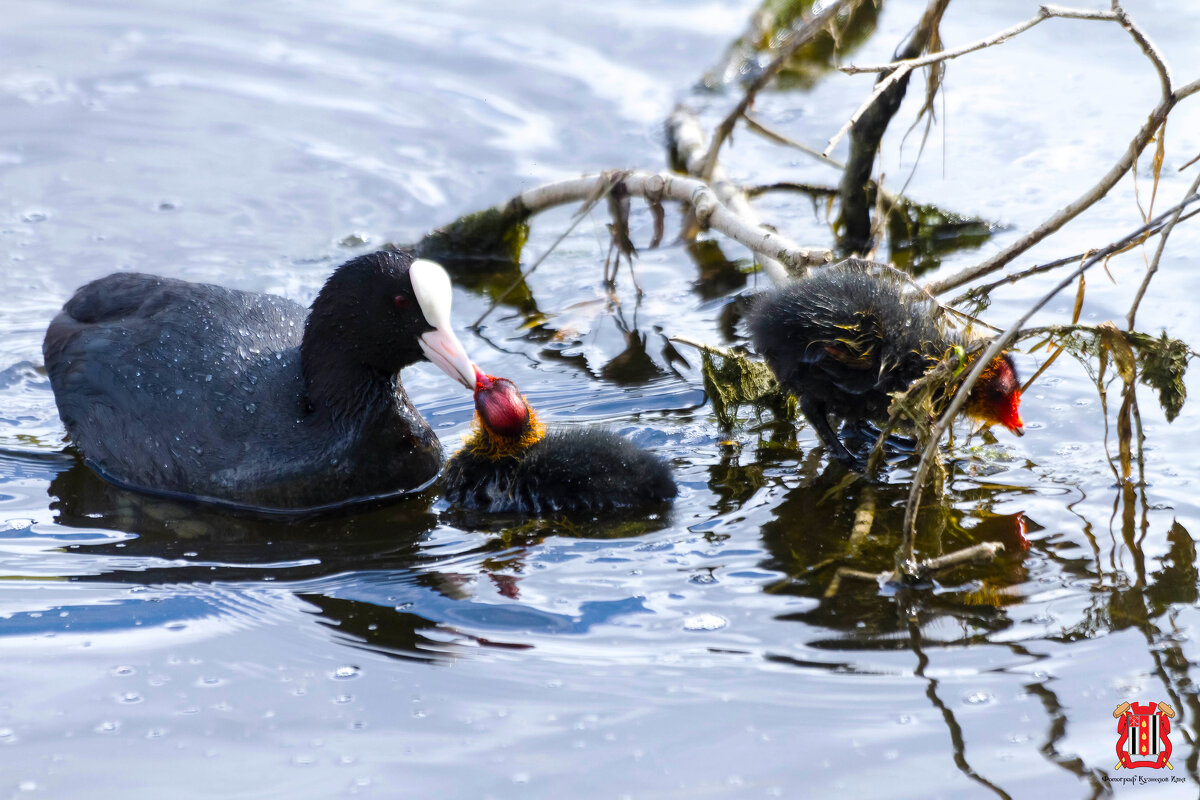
{"type": "Point", "coordinates": [705, 622]}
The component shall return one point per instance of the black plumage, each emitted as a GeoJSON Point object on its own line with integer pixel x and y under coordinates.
{"type": "Point", "coordinates": [247, 399]}
{"type": "Point", "coordinates": [509, 464]}
{"type": "Point", "coordinates": [843, 338]}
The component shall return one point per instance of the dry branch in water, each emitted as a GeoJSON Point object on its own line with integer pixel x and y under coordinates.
{"type": "Point", "coordinates": [905, 558]}
{"type": "Point", "coordinates": [899, 70]}
{"type": "Point", "coordinates": [689, 144]}
{"type": "Point", "coordinates": [1153, 267]}
{"type": "Point", "coordinates": [718, 203]}
{"type": "Point", "coordinates": [656, 187]}
{"type": "Point", "coordinates": [801, 37]}
{"type": "Point", "coordinates": [1155, 121]}
{"type": "Point", "coordinates": [867, 134]}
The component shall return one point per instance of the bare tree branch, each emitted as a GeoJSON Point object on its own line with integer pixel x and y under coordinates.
{"type": "Point", "coordinates": [855, 235]}
{"type": "Point", "coordinates": [657, 186]}
{"type": "Point", "coordinates": [1068, 213]}
{"type": "Point", "coordinates": [1153, 268]}
{"type": "Point", "coordinates": [1156, 120]}
{"type": "Point", "coordinates": [757, 126]}
{"type": "Point", "coordinates": [899, 69]}
{"type": "Point", "coordinates": [979, 291]}
{"type": "Point", "coordinates": [800, 38]}
{"type": "Point", "coordinates": [905, 556]}
{"type": "Point", "coordinates": [690, 144]}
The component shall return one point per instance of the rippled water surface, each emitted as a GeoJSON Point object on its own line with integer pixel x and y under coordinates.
{"type": "Point", "coordinates": [149, 649]}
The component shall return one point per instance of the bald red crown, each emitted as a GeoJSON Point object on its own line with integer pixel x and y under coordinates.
{"type": "Point", "coordinates": [500, 405]}
{"type": "Point", "coordinates": [996, 396]}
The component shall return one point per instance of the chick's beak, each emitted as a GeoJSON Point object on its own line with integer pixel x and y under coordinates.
{"type": "Point", "coordinates": [483, 381]}
{"type": "Point", "coordinates": [1012, 419]}
{"type": "Point", "coordinates": [431, 285]}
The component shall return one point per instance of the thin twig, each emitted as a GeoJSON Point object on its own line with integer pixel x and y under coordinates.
{"type": "Point", "coordinates": [658, 186]}
{"type": "Point", "coordinates": [846, 572]}
{"type": "Point", "coordinates": [800, 38]}
{"type": "Point", "coordinates": [1155, 121]}
{"type": "Point", "coordinates": [707, 348]}
{"type": "Point", "coordinates": [1064, 215]}
{"type": "Point", "coordinates": [905, 556]}
{"type": "Point", "coordinates": [1058, 351]}
{"type": "Point", "coordinates": [1158, 115]}
{"type": "Point", "coordinates": [975, 292]}
{"type": "Point", "coordinates": [976, 554]}
{"type": "Point", "coordinates": [899, 69]}
{"type": "Point", "coordinates": [773, 135]}
{"type": "Point", "coordinates": [589, 204]}
{"type": "Point", "coordinates": [1091, 330]}
{"type": "Point", "coordinates": [811, 189]}
{"type": "Point", "coordinates": [1153, 268]}
{"type": "Point", "coordinates": [1151, 52]}
{"type": "Point", "coordinates": [690, 143]}
{"type": "Point", "coordinates": [981, 553]}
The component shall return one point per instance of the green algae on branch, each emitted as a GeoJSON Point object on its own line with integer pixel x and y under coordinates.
{"type": "Point", "coordinates": [920, 234]}
{"type": "Point", "coordinates": [1163, 360]}
{"type": "Point", "coordinates": [481, 241]}
{"type": "Point", "coordinates": [771, 28]}
{"type": "Point", "coordinates": [732, 380]}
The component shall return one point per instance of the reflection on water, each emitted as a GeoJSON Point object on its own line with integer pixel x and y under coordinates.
{"type": "Point", "coordinates": [365, 572]}
{"type": "Point", "coordinates": [769, 31]}
{"type": "Point", "coordinates": [175, 533]}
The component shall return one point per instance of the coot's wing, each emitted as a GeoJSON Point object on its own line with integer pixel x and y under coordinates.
{"type": "Point", "coordinates": [163, 383]}
{"type": "Point", "coordinates": [846, 351]}
{"type": "Point", "coordinates": [813, 338]}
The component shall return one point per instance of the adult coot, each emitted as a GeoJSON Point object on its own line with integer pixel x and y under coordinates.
{"type": "Point", "coordinates": [844, 337]}
{"type": "Point", "coordinates": [247, 399]}
{"type": "Point", "coordinates": [509, 463]}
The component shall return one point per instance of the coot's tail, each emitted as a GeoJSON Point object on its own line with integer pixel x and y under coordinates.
{"type": "Point", "coordinates": [112, 297]}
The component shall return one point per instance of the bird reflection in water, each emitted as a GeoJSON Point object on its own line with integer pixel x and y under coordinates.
{"type": "Point", "coordinates": [369, 576]}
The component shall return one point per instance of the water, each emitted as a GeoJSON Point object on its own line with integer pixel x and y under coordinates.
{"type": "Point", "coordinates": [149, 649]}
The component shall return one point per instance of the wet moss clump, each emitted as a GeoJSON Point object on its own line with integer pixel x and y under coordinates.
{"type": "Point", "coordinates": [1164, 361]}
{"type": "Point", "coordinates": [772, 27]}
{"type": "Point", "coordinates": [485, 241]}
{"type": "Point", "coordinates": [733, 380]}
{"type": "Point", "coordinates": [921, 235]}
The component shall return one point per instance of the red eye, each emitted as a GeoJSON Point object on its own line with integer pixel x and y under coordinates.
{"type": "Point", "coordinates": [401, 301]}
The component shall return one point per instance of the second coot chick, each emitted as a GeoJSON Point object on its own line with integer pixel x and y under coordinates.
{"type": "Point", "coordinates": [510, 463]}
{"type": "Point", "coordinates": [843, 338]}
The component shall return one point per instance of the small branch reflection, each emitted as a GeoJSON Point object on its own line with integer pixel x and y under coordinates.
{"type": "Point", "coordinates": [956, 733]}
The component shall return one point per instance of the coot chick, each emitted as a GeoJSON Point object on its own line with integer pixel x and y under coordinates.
{"type": "Point", "coordinates": [845, 336]}
{"type": "Point", "coordinates": [248, 400]}
{"type": "Point", "coordinates": [509, 463]}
